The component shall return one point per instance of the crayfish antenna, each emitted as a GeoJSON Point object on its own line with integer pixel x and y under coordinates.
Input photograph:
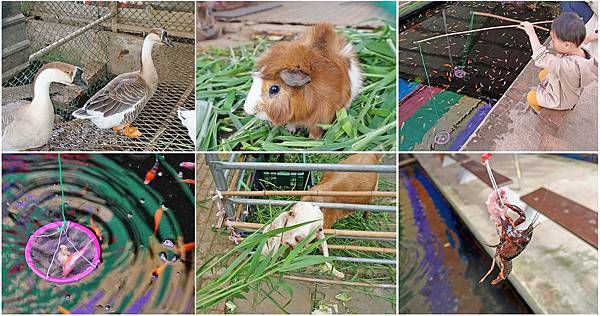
{"type": "Point", "coordinates": [535, 218]}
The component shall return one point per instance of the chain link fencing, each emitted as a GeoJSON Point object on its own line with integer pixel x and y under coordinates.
{"type": "Point", "coordinates": [98, 48]}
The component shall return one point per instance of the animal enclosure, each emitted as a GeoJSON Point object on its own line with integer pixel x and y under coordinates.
{"type": "Point", "coordinates": [252, 193]}
{"type": "Point", "coordinates": [103, 39]}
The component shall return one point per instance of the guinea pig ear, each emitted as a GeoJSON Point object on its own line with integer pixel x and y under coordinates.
{"type": "Point", "coordinates": [294, 78]}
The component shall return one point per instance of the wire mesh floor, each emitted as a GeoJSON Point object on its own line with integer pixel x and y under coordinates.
{"type": "Point", "coordinates": [161, 128]}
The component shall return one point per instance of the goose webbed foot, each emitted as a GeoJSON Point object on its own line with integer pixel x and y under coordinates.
{"type": "Point", "coordinates": [127, 130]}
{"type": "Point", "coordinates": [132, 132]}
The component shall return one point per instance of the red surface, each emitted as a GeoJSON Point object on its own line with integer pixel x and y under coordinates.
{"type": "Point", "coordinates": [571, 215]}
{"type": "Point", "coordinates": [412, 104]}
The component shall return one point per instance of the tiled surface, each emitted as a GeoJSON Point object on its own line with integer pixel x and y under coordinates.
{"type": "Point", "coordinates": [209, 243]}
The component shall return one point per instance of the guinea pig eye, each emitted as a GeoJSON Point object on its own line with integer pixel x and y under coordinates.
{"type": "Point", "coordinates": [274, 89]}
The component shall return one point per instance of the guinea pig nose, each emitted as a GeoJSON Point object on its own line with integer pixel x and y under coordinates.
{"type": "Point", "coordinates": [299, 238]}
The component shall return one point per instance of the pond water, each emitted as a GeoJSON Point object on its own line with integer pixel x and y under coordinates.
{"type": "Point", "coordinates": [106, 192]}
{"type": "Point", "coordinates": [441, 262]}
{"type": "Point", "coordinates": [464, 75]}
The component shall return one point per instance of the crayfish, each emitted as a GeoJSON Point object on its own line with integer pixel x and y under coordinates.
{"type": "Point", "coordinates": [512, 240]}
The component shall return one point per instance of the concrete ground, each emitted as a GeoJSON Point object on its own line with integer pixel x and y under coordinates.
{"type": "Point", "coordinates": [307, 296]}
{"type": "Point", "coordinates": [557, 272]}
{"type": "Point", "coordinates": [512, 126]}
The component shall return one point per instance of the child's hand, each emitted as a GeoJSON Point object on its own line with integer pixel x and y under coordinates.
{"type": "Point", "coordinates": [527, 27]}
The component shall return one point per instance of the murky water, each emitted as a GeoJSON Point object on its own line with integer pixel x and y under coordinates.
{"type": "Point", "coordinates": [489, 60]}
{"type": "Point", "coordinates": [108, 190]}
{"type": "Point", "coordinates": [440, 260]}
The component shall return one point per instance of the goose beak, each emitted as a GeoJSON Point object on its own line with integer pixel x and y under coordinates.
{"type": "Point", "coordinates": [166, 40]}
{"type": "Point", "coordinates": [78, 80]}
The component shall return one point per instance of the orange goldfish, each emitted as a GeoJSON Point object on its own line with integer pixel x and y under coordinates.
{"type": "Point", "coordinates": [158, 271]}
{"type": "Point", "coordinates": [189, 181]}
{"type": "Point", "coordinates": [63, 310]}
{"type": "Point", "coordinates": [96, 229]}
{"type": "Point", "coordinates": [185, 248]}
{"type": "Point", "coordinates": [151, 173]}
{"type": "Point", "coordinates": [157, 216]}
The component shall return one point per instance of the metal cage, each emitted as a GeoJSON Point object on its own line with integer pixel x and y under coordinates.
{"type": "Point", "coordinates": [220, 171]}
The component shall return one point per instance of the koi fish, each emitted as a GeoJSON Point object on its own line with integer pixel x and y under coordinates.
{"type": "Point", "coordinates": [72, 259]}
{"type": "Point", "coordinates": [96, 229]}
{"type": "Point", "coordinates": [188, 181]}
{"type": "Point", "coordinates": [157, 216]}
{"type": "Point", "coordinates": [63, 310]}
{"type": "Point", "coordinates": [152, 172]}
{"type": "Point", "coordinates": [185, 248]}
{"type": "Point", "coordinates": [188, 165]}
{"type": "Point", "coordinates": [158, 271]}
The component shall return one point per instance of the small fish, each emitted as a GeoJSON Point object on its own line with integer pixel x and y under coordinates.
{"type": "Point", "coordinates": [72, 259]}
{"type": "Point", "coordinates": [188, 181]}
{"type": "Point", "coordinates": [192, 165]}
{"type": "Point", "coordinates": [447, 65]}
{"type": "Point", "coordinates": [63, 310]}
{"type": "Point", "coordinates": [95, 228]}
{"type": "Point", "coordinates": [157, 217]}
{"type": "Point", "coordinates": [158, 271]}
{"type": "Point", "coordinates": [152, 172]}
{"type": "Point", "coordinates": [185, 248]}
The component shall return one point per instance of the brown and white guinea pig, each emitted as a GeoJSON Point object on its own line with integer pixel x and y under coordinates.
{"type": "Point", "coordinates": [346, 181]}
{"type": "Point", "coordinates": [304, 82]}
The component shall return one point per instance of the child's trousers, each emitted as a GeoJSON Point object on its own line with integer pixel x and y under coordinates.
{"type": "Point", "coordinates": [531, 96]}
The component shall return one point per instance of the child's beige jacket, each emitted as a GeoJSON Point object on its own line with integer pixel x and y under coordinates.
{"type": "Point", "coordinates": [567, 76]}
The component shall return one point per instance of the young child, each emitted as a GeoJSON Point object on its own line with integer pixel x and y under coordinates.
{"type": "Point", "coordinates": [564, 75]}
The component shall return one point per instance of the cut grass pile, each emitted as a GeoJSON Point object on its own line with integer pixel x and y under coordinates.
{"type": "Point", "coordinates": [224, 78]}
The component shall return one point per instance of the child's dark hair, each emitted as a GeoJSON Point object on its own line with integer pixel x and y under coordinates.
{"type": "Point", "coordinates": [568, 27]}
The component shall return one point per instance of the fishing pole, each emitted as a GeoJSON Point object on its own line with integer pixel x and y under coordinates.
{"type": "Point", "coordinates": [485, 158]}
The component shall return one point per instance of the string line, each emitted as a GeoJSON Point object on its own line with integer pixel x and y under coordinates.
{"type": "Point", "coordinates": [62, 192]}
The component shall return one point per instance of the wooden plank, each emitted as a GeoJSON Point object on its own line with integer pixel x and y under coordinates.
{"type": "Point", "coordinates": [460, 158]}
{"type": "Point", "coordinates": [576, 218]}
{"type": "Point", "coordinates": [243, 11]}
{"type": "Point", "coordinates": [478, 169]}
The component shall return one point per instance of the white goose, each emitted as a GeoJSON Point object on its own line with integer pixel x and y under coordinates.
{"type": "Point", "coordinates": [28, 124]}
{"type": "Point", "coordinates": [121, 100]}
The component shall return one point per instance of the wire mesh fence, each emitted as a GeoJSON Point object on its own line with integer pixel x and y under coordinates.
{"type": "Point", "coordinates": [89, 51]}
{"type": "Point", "coordinates": [93, 50]}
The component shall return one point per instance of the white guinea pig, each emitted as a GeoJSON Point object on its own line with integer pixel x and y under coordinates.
{"type": "Point", "coordinates": [304, 82]}
{"type": "Point", "coordinates": [301, 212]}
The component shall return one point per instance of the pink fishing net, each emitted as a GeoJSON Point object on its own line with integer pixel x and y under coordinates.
{"type": "Point", "coordinates": [63, 255]}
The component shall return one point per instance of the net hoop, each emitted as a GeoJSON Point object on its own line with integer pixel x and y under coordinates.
{"type": "Point", "coordinates": [53, 227]}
